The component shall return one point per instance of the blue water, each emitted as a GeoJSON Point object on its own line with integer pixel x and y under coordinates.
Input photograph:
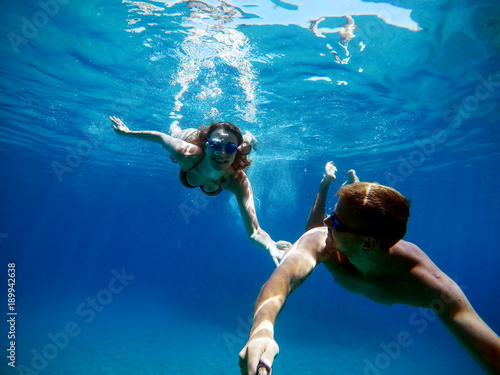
{"type": "Point", "coordinates": [411, 101]}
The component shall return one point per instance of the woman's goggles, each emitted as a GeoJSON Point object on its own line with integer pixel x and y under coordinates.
{"type": "Point", "coordinates": [218, 145]}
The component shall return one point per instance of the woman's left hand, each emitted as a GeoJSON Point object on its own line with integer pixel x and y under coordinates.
{"type": "Point", "coordinates": [278, 249]}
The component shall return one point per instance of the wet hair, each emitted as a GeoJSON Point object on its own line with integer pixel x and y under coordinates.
{"type": "Point", "coordinates": [384, 211]}
{"type": "Point", "coordinates": [241, 160]}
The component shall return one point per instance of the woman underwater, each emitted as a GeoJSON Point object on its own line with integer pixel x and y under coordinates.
{"type": "Point", "coordinates": [214, 159]}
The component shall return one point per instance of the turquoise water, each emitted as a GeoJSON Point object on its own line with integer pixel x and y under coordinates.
{"type": "Point", "coordinates": [409, 100]}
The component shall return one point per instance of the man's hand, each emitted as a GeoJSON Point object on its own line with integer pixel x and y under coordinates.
{"type": "Point", "coordinates": [257, 357]}
{"type": "Point", "coordinates": [118, 125]}
{"type": "Point", "coordinates": [278, 249]}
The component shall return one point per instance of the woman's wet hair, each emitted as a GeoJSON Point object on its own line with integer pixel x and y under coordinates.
{"type": "Point", "coordinates": [241, 160]}
{"type": "Point", "coordinates": [384, 212]}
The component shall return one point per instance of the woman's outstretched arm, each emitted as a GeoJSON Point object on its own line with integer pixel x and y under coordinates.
{"type": "Point", "coordinates": [177, 147]}
{"type": "Point", "coordinates": [241, 188]}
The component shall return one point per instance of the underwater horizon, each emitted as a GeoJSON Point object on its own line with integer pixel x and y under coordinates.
{"type": "Point", "coordinates": [119, 269]}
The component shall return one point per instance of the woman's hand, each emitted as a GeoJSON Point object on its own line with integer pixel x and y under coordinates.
{"type": "Point", "coordinates": [277, 250]}
{"type": "Point", "coordinates": [118, 125]}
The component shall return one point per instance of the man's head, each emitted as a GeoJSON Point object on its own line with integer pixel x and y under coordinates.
{"type": "Point", "coordinates": [375, 210]}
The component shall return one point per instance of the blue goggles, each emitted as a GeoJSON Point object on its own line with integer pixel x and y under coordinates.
{"type": "Point", "coordinates": [340, 226]}
{"type": "Point", "coordinates": [217, 145]}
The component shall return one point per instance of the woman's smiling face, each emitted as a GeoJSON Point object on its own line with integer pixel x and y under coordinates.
{"type": "Point", "coordinates": [221, 159]}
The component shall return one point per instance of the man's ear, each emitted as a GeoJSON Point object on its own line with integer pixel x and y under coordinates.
{"type": "Point", "coordinates": [369, 243]}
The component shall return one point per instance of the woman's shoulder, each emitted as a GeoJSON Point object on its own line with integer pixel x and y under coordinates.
{"type": "Point", "coordinates": [238, 181]}
{"type": "Point", "coordinates": [239, 177]}
{"type": "Point", "coordinates": [187, 162]}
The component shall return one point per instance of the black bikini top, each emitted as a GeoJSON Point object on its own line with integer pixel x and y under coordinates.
{"type": "Point", "coordinates": [184, 181]}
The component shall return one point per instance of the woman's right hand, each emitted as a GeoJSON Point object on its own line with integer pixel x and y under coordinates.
{"type": "Point", "coordinates": [277, 250]}
{"type": "Point", "coordinates": [118, 125]}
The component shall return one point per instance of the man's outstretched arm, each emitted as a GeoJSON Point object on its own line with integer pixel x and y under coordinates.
{"type": "Point", "coordinates": [459, 317]}
{"type": "Point", "coordinates": [473, 334]}
{"type": "Point", "coordinates": [258, 354]}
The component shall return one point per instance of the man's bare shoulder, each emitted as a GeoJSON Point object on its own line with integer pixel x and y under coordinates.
{"type": "Point", "coordinates": [312, 242]}
{"type": "Point", "coordinates": [423, 272]}
{"type": "Point", "coordinates": [319, 231]}
{"type": "Point", "coordinates": [410, 253]}
{"type": "Point", "coordinates": [315, 239]}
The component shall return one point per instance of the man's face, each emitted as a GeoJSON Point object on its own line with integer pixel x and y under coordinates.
{"type": "Point", "coordinates": [345, 227]}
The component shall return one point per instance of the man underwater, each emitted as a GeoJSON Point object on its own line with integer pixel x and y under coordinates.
{"type": "Point", "coordinates": [362, 247]}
